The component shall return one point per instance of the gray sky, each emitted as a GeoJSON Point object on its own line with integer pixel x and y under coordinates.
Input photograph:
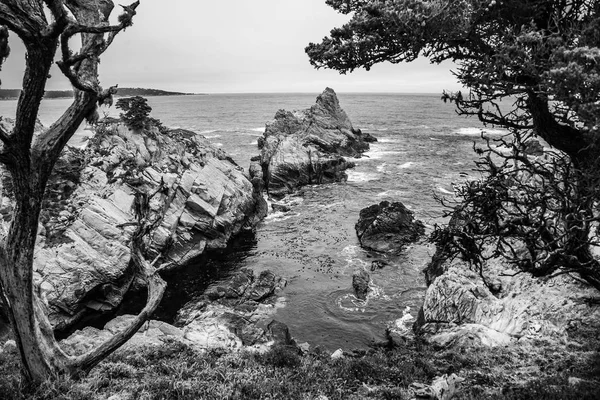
{"type": "Point", "coordinates": [230, 46]}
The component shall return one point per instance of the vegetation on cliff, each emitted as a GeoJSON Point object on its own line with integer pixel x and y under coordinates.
{"type": "Point", "coordinates": [175, 371]}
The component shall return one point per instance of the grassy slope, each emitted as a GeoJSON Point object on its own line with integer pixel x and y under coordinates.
{"type": "Point", "coordinates": [177, 372]}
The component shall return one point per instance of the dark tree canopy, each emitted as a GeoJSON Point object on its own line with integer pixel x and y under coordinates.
{"type": "Point", "coordinates": [531, 66]}
{"type": "Point", "coordinates": [544, 54]}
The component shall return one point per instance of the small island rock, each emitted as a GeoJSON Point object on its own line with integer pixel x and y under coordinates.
{"type": "Point", "coordinates": [308, 147]}
{"type": "Point", "coordinates": [360, 283]}
{"type": "Point", "coordinates": [387, 227]}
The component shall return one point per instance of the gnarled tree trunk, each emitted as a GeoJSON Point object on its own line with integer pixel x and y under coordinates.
{"type": "Point", "coordinates": [30, 159]}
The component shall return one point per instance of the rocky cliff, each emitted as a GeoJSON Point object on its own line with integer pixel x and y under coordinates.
{"type": "Point", "coordinates": [460, 308]}
{"type": "Point", "coordinates": [308, 147]}
{"type": "Point", "coordinates": [82, 256]}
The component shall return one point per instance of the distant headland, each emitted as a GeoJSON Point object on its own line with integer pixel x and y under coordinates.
{"type": "Point", "coordinates": [13, 94]}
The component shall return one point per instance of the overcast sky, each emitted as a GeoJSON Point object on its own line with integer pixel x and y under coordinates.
{"type": "Point", "coordinates": [236, 46]}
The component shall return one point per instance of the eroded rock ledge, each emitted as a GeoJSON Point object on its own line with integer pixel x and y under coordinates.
{"type": "Point", "coordinates": [308, 147]}
{"type": "Point", "coordinates": [82, 256]}
{"type": "Point", "coordinates": [460, 309]}
{"type": "Point", "coordinates": [231, 315]}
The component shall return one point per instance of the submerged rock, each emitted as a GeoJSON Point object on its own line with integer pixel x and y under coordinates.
{"type": "Point", "coordinates": [360, 283]}
{"type": "Point", "coordinates": [82, 258]}
{"type": "Point", "coordinates": [308, 147]}
{"type": "Point", "coordinates": [387, 227]}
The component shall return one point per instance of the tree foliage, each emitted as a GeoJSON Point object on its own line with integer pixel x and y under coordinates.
{"type": "Point", "coordinates": [136, 111]}
{"type": "Point", "coordinates": [47, 29]}
{"type": "Point", "coordinates": [531, 66]}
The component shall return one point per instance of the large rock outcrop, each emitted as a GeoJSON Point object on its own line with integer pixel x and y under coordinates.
{"type": "Point", "coordinates": [227, 314]}
{"type": "Point", "coordinates": [460, 308]}
{"type": "Point", "coordinates": [308, 147]}
{"type": "Point", "coordinates": [226, 317]}
{"type": "Point", "coordinates": [386, 227]}
{"type": "Point", "coordinates": [82, 256]}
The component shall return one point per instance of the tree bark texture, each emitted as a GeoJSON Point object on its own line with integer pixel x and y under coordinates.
{"type": "Point", "coordinates": [30, 159]}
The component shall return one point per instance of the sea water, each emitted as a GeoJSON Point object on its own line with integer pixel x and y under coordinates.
{"type": "Point", "coordinates": [423, 148]}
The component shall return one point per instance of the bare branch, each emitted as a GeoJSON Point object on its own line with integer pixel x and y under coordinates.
{"type": "Point", "coordinates": [70, 63]}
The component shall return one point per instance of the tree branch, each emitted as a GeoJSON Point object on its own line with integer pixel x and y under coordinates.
{"type": "Point", "coordinates": [146, 270]}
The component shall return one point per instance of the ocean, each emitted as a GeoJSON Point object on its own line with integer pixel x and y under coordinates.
{"type": "Point", "coordinates": [423, 148]}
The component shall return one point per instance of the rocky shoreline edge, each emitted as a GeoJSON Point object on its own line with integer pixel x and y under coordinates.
{"type": "Point", "coordinates": [212, 200]}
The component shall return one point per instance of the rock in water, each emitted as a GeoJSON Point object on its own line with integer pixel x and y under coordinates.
{"type": "Point", "coordinates": [280, 333]}
{"type": "Point", "coordinates": [307, 147]}
{"type": "Point", "coordinates": [387, 227]}
{"type": "Point", "coordinates": [360, 283]}
{"type": "Point", "coordinates": [82, 254]}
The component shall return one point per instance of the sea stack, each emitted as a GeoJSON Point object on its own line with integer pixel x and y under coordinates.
{"type": "Point", "coordinates": [308, 147]}
{"type": "Point", "coordinates": [387, 227]}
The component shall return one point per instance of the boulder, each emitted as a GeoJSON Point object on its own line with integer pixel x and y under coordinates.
{"type": "Point", "coordinates": [442, 388]}
{"type": "Point", "coordinates": [461, 309]}
{"type": "Point", "coordinates": [234, 306]}
{"type": "Point", "coordinates": [378, 264]}
{"type": "Point", "coordinates": [308, 147]}
{"type": "Point", "coordinates": [280, 333]}
{"type": "Point", "coordinates": [200, 336]}
{"type": "Point", "coordinates": [360, 283]}
{"type": "Point", "coordinates": [82, 257]}
{"type": "Point", "coordinates": [387, 227]}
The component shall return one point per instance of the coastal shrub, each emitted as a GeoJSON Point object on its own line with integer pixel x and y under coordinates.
{"type": "Point", "coordinates": [173, 371]}
{"type": "Point", "coordinates": [530, 210]}
{"type": "Point", "coordinates": [136, 114]}
{"type": "Point", "coordinates": [281, 356]}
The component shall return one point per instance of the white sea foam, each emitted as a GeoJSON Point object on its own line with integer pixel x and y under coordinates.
{"type": "Point", "coordinates": [387, 140]}
{"type": "Point", "coordinates": [472, 131]}
{"type": "Point", "coordinates": [212, 136]}
{"type": "Point", "coordinates": [381, 168]}
{"type": "Point", "coordinates": [277, 216]}
{"type": "Point", "coordinates": [350, 250]}
{"type": "Point", "coordinates": [261, 130]}
{"type": "Point", "coordinates": [207, 131]}
{"type": "Point", "coordinates": [357, 305]}
{"type": "Point", "coordinates": [218, 144]}
{"type": "Point", "coordinates": [355, 176]}
{"type": "Point", "coordinates": [406, 165]}
{"type": "Point", "coordinates": [377, 154]}
{"type": "Point", "coordinates": [441, 189]}
{"type": "Point", "coordinates": [390, 193]}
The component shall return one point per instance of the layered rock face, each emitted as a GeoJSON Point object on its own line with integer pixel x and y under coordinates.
{"type": "Point", "coordinates": [459, 308]}
{"type": "Point", "coordinates": [308, 147]}
{"type": "Point", "coordinates": [82, 256]}
{"type": "Point", "coordinates": [225, 317]}
{"type": "Point", "coordinates": [387, 227]}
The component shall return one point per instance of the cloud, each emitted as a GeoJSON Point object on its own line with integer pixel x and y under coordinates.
{"type": "Point", "coordinates": [235, 46]}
